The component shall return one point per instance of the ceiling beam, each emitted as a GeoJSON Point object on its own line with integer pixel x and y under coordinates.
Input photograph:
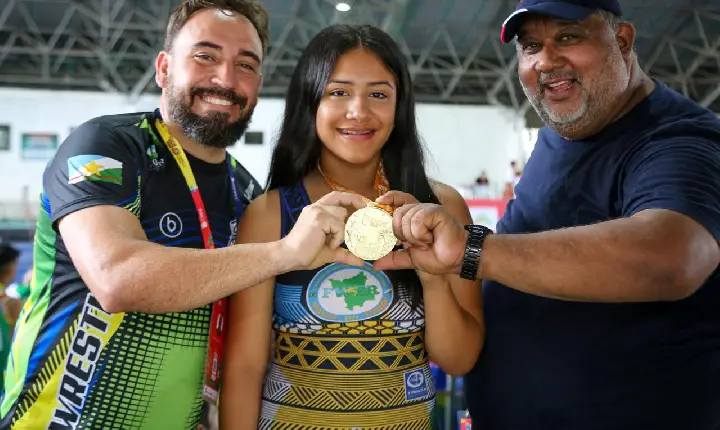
{"type": "Point", "coordinates": [710, 97]}
{"type": "Point", "coordinates": [112, 45]}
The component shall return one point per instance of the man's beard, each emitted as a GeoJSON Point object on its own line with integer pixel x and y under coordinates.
{"type": "Point", "coordinates": [212, 129]}
{"type": "Point", "coordinates": [546, 113]}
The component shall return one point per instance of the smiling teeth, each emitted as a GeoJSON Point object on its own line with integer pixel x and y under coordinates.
{"type": "Point", "coordinates": [557, 84]}
{"type": "Point", "coordinates": [355, 132]}
{"type": "Point", "coordinates": [217, 101]}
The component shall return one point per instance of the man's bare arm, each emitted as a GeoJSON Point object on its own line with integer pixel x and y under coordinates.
{"type": "Point", "coordinates": [656, 255]}
{"type": "Point", "coordinates": [128, 273]}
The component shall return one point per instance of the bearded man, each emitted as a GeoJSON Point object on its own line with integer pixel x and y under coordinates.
{"type": "Point", "coordinates": [134, 245]}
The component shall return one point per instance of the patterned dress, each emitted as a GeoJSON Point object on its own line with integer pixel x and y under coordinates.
{"type": "Point", "coordinates": [349, 348]}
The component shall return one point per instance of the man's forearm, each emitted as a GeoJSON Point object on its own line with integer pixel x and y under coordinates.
{"type": "Point", "coordinates": [156, 279]}
{"type": "Point", "coordinates": [615, 261]}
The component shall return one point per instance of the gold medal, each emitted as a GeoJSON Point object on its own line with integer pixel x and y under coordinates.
{"type": "Point", "coordinates": [369, 233]}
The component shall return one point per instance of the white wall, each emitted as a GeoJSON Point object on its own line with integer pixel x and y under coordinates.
{"type": "Point", "coordinates": [461, 140]}
{"type": "Point", "coordinates": [464, 140]}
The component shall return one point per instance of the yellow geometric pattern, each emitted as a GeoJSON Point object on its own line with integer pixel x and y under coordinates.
{"type": "Point", "coordinates": [331, 392]}
{"type": "Point", "coordinates": [350, 354]}
{"type": "Point", "coordinates": [415, 417]}
{"type": "Point", "coordinates": [310, 397]}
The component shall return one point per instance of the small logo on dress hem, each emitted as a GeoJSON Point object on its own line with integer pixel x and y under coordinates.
{"type": "Point", "coordinates": [416, 386]}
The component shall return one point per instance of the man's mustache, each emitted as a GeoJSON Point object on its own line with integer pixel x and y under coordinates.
{"type": "Point", "coordinates": [225, 93]}
{"type": "Point", "coordinates": [545, 77]}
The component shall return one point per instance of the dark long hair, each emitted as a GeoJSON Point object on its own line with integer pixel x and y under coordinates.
{"type": "Point", "coordinates": [297, 151]}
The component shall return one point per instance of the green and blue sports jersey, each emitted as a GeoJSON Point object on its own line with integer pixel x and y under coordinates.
{"type": "Point", "coordinates": [73, 365]}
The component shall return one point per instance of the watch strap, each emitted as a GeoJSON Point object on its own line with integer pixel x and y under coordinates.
{"type": "Point", "coordinates": [473, 251]}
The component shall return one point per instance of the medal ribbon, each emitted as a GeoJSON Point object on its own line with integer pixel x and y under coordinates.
{"type": "Point", "coordinates": [381, 186]}
{"type": "Point", "coordinates": [219, 308]}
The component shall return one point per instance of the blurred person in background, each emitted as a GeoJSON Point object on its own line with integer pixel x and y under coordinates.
{"type": "Point", "coordinates": [9, 307]}
{"type": "Point", "coordinates": [21, 290]}
{"type": "Point", "coordinates": [482, 179]}
{"type": "Point", "coordinates": [602, 289]}
{"type": "Point", "coordinates": [134, 246]}
{"type": "Point", "coordinates": [513, 172]}
{"type": "Point", "coordinates": [513, 177]}
{"type": "Point", "coordinates": [481, 189]}
{"type": "Point", "coordinates": [357, 339]}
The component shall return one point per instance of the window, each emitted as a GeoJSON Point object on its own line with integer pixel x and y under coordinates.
{"type": "Point", "coordinates": [254, 138]}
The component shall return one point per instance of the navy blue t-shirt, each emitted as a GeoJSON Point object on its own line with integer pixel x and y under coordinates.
{"type": "Point", "coordinates": [557, 365]}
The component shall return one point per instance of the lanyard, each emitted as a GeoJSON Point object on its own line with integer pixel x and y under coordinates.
{"type": "Point", "coordinates": [219, 308]}
{"type": "Point", "coordinates": [381, 186]}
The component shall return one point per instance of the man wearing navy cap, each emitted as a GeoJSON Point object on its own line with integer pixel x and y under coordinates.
{"type": "Point", "coordinates": [602, 288]}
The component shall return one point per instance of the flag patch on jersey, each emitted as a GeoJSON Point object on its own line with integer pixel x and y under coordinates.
{"type": "Point", "coordinates": [94, 168]}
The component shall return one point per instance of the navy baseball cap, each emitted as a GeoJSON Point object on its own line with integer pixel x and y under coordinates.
{"type": "Point", "coordinates": [570, 10]}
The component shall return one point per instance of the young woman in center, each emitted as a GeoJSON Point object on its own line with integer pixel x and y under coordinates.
{"type": "Point", "coordinates": [351, 344]}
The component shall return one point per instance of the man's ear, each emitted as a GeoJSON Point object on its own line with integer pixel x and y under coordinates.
{"type": "Point", "coordinates": [161, 69]}
{"type": "Point", "coordinates": [625, 36]}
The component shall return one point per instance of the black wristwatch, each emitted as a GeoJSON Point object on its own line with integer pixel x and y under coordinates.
{"type": "Point", "coordinates": [473, 250]}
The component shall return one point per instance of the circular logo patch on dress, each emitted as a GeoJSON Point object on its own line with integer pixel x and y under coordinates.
{"type": "Point", "coordinates": [341, 293]}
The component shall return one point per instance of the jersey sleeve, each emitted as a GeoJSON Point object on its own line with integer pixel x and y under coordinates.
{"type": "Point", "coordinates": [94, 166]}
{"type": "Point", "coordinates": [250, 188]}
{"type": "Point", "coordinates": [682, 175]}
